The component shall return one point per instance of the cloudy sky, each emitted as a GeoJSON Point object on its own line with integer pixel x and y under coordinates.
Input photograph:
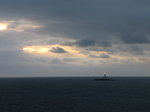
{"type": "Point", "coordinates": [74, 38]}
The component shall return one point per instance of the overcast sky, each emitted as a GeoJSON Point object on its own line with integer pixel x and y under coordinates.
{"type": "Point", "coordinates": [74, 38]}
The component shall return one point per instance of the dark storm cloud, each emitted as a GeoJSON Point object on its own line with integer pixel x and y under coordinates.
{"type": "Point", "coordinates": [100, 20]}
{"type": "Point", "coordinates": [58, 50]}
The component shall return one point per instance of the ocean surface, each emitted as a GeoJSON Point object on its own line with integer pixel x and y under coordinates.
{"type": "Point", "coordinates": [124, 94]}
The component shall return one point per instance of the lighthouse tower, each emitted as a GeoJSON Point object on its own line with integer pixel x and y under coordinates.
{"type": "Point", "coordinates": [105, 75]}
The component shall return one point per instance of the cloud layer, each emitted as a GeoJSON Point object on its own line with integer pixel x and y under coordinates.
{"type": "Point", "coordinates": [42, 33]}
{"type": "Point", "coordinates": [101, 20]}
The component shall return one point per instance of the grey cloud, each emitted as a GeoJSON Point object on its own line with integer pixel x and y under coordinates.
{"type": "Point", "coordinates": [70, 59]}
{"type": "Point", "coordinates": [88, 43]}
{"type": "Point", "coordinates": [129, 49]}
{"type": "Point", "coordinates": [56, 61]}
{"type": "Point", "coordinates": [136, 50]}
{"type": "Point", "coordinates": [135, 38]}
{"type": "Point", "coordinates": [91, 42]}
{"type": "Point", "coordinates": [104, 56]}
{"type": "Point", "coordinates": [85, 42]}
{"type": "Point", "coordinates": [143, 59]}
{"type": "Point", "coordinates": [65, 61]}
{"type": "Point", "coordinates": [58, 50]}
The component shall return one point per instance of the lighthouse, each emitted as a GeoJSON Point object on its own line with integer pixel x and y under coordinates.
{"type": "Point", "coordinates": [105, 75]}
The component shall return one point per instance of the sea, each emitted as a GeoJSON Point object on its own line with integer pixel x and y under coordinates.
{"type": "Point", "coordinates": [75, 94]}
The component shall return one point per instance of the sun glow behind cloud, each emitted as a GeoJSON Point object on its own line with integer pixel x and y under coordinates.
{"type": "Point", "coordinates": [36, 49]}
{"type": "Point", "coordinates": [46, 51]}
{"type": "Point", "coordinates": [71, 52]}
{"type": "Point", "coordinates": [18, 25]}
{"type": "Point", "coordinates": [3, 26]}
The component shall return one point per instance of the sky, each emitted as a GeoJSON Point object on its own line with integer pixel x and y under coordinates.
{"type": "Point", "coordinates": [41, 38]}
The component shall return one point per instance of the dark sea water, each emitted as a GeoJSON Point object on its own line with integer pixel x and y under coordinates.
{"type": "Point", "coordinates": [75, 95]}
